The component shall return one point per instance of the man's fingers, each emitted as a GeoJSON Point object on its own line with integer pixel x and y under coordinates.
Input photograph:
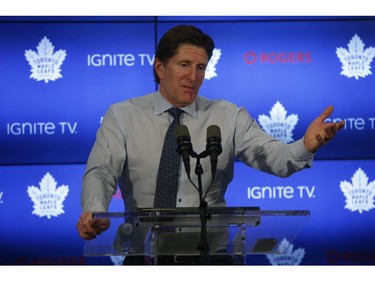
{"type": "Point", "coordinates": [330, 132]}
{"type": "Point", "coordinates": [85, 227]}
{"type": "Point", "coordinates": [100, 224]}
{"type": "Point", "coordinates": [340, 125]}
{"type": "Point", "coordinates": [326, 113]}
{"type": "Point", "coordinates": [89, 227]}
{"type": "Point", "coordinates": [332, 129]}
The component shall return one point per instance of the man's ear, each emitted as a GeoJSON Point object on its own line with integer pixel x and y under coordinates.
{"type": "Point", "coordinates": [159, 68]}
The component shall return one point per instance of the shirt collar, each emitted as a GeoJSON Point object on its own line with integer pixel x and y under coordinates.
{"type": "Point", "coordinates": [161, 105]}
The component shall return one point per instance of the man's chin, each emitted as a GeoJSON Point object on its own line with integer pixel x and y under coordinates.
{"type": "Point", "coordinates": [189, 97]}
{"type": "Point", "coordinates": [187, 102]}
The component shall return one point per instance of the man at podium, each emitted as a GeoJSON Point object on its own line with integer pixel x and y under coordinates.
{"type": "Point", "coordinates": [128, 149]}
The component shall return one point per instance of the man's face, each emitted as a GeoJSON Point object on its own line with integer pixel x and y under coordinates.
{"type": "Point", "coordinates": [182, 76]}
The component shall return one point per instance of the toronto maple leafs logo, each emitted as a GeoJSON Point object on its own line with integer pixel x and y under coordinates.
{"type": "Point", "coordinates": [360, 193]}
{"type": "Point", "coordinates": [48, 199]}
{"type": "Point", "coordinates": [288, 256]}
{"type": "Point", "coordinates": [356, 59]}
{"type": "Point", "coordinates": [45, 63]}
{"type": "Point", "coordinates": [278, 124]}
{"type": "Point", "coordinates": [117, 260]}
{"type": "Point", "coordinates": [211, 67]}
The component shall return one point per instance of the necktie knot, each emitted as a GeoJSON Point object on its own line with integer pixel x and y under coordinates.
{"type": "Point", "coordinates": [176, 113]}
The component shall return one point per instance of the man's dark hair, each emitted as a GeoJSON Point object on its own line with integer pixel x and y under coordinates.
{"type": "Point", "coordinates": [181, 34]}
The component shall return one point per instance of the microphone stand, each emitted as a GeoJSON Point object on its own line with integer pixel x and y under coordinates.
{"type": "Point", "coordinates": [213, 148]}
{"type": "Point", "coordinates": [203, 247]}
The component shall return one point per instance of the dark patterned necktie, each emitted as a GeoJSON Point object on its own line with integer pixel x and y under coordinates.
{"type": "Point", "coordinates": [167, 181]}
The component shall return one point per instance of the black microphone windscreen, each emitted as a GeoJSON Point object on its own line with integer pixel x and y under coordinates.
{"type": "Point", "coordinates": [181, 131]}
{"type": "Point", "coordinates": [213, 131]}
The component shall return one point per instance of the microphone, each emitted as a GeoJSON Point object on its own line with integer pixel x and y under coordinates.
{"type": "Point", "coordinates": [213, 147]}
{"type": "Point", "coordinates": [184, 147]}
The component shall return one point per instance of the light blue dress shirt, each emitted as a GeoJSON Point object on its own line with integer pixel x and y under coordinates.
{"type": "Point", "coordinates": [129, 142]}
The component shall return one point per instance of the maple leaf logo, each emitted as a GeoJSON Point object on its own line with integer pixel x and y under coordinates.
{"type": "Point", "coordinates": [48, 200]}
{"type": "Point", "coordinates": [360, 193]}
{"type": "Point", "coordinates": [287, 256]}
{"type": "Point", "coordinates": [45, 64]}
{"type": "Point", "coordinates": [117, 260]}
{"type": "Point", "coordinates": [356, 60]}
{"type": "Point", "coordinates": [211, 67]}
{"type": "Point", "coordinates": [279, 125]}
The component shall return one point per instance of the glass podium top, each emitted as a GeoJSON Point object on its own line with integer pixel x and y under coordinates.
{"type": "Point", "coordinates": [228, 230]}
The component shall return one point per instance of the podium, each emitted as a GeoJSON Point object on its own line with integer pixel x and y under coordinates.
{"type": "Point", "coordinates": [236, 231]}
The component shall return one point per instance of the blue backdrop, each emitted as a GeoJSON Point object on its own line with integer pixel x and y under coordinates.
{"type": "Point", "coordinates": [60, 74]}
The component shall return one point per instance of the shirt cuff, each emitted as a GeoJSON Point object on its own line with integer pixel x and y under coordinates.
{"type": "Point", "coordinates": [300, 151]}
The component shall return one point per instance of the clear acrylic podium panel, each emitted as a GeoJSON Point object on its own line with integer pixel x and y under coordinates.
{"type": "Point", "coordinates": [230, 230]}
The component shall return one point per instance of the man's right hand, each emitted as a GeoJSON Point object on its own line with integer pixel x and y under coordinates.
{"type": "Point", "coordinates": [89, 227]}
